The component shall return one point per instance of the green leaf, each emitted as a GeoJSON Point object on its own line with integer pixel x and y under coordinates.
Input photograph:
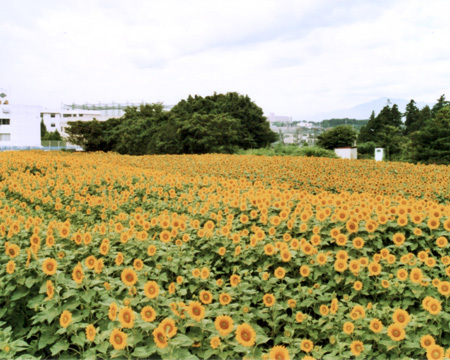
{"type": "Point", "coordinates": [144, 351]}
{"type": "Point", "coordinates": [103, 347]}
{"type": "Point", "coordinates": [19, 294]}
{"type": "Point", "coordinates": [183, 354]}
{"type": "Point", "coordinates": [181, 341]}
{"type": "Point", "coordinates": [30, 281]}
{"type": "Point", "coordinates": [46, 339]}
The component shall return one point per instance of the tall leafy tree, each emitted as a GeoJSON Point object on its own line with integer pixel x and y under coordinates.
{"type": "Point", "coordinates": [252, 126]}
{"type": "Point", "coordinates": [412, 118]}
{"type": "Point", "coordinates": [209, 133]}
{"type": "Point", "coordinates": [431, 144]}
{"type": "Point", "coordinates": [441, 102]}
{"type": "Point", "coordinates": [339, 136]}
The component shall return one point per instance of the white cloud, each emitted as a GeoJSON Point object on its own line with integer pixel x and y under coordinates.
{"type": "Point", "coordinates": [291, 57]}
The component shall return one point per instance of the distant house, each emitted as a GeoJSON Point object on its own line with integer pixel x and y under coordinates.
{"type": "Point", "coordinates": [57, 119]}
{"type": "Point", "coordinates": [346, 152]}
{"type": "Point", "coordinates": [19, 124]}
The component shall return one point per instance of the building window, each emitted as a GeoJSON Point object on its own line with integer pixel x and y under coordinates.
{"type": "Point", "coordinates": [5, 137]}
{"type": "Point", "coordinates": [80, 115]}
{"type": "Point", "coordinates": [52, 115]}
{"type": "Point", "coordinates": [4, 122]}
{"type": "Point", "coordinates": [67, 115]}
{"type": "Point", "coordinates": [52, 125]}
{"type": "Point", "coordinates": [74, 115]}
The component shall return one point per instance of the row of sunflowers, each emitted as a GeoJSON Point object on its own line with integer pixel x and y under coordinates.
{"type": "Point", "coordinates": [220, 256]}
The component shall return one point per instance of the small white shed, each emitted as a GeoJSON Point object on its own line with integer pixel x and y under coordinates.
{"type": "Point", "coordinates": [379, 154]}
{"type": "Point", "coordinates": [347, 152]}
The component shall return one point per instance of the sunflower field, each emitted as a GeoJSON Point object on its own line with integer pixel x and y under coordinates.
{"type": "Point", "coordinates": [222, 257]}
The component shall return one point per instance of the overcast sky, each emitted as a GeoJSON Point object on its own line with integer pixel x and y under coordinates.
{"type": "Point", "coordinates": [291, 57]}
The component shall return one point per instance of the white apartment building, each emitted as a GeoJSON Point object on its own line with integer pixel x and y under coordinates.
{"type": "Point", "coordinates": [19, 124]}
{"type": "Point", "coordinates": [277, 118]}
{"type": "Point", "coordinates": [57, 119]}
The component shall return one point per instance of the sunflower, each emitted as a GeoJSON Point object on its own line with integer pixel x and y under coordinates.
{"type": "Point", "coordinates": [434, 306]}
{"type": "Point", "coordinates": [151, 250]}
{"type": "Point", "coordinates": [78, 274]}
{"type": "Point", "coordinates": [306, 345]}
{"type": "Point", "coordinates": [279, 273]}
{"type": "Point", "coordinates": [99, 266]}
{"type": "Point", "coordinates": [215, 342]}
{"type": "Point", "coordinates": [151, 289]}
{"type": "Point", "coordinates": [138, 264]}
{"type": "Point", "coordinates": [196, 310]}
{"type": "Point", "coordinates": [245, 335]}
{"type": "Point", "coordinates": [12, 250]}
{"type": "Point", "coordinates": [196, 273]}
{"type": "Point", "coordinates": [358, 243]}
{"type": "Point", "coordinates": [402, 274]}
{"type": "Point", "coordinates": [49, 266]}
{"type": "Point", "coordinates": [165, 236]}
{"type": "Point", "coordinates": [224, 298]}
{"type": "Point", "coordinates": [65, 318]}
{"type": "Point", "coordinates": [441, 241]}
{"type": "Point", "coordinates": [235, 280]}
{"type": "Point", "coordinates": [376, 325]}
{"type": "Point", "coordinates": [299, 317]}
{"type": "Point", "coordinates": [90, 262]}
{"type": "Point", "coordinates": [396, 332]}
{"type": "Point", "coordinates": [129, 277]}
{"type": "Point", "coordinates": [435, 352]}
{"type": "Point", "coordinates": [292, 303]}
{"type": "Point", "coordinates": [160, 337]}
{"type": "Point", "coordinates": [433, 223]}
{"type": "Point", "coordinates": [416, 275]}
{"type": "Point", "coordinates": [324, 310]}
{"type": "Point", "coordinates": [444, 288]}
{"type": "Point", "coordinates": [401, 317]}
{"type": "Point", "coordinates": [10, 266]}
{"type": "Point", "coordinates": [356, 347]}
{"type": "Point", "coordinates": [269, 300]}
{"type": "Point", "coordinates": [279, 352]}
{"type": "Point", "coordinates": [169, 327]}
{"type": "Point", "coordinates": [148, 314]}
{"type": "Point", "coordinates": [348, 327]}
{"type": "Point", "coordinates": [321, 258]}
{"type": "Point", "coordinates": [286, 255]}
{"type": "Point", "coordinates": [224, 324]}
{"type": "Point", "coordinates": [126, 317]}
{"type": "Point", "coordinates": [426, 341]}
{"type": "Point", "coordinates": [118, 339]}
{"type": "Point", "coordinates": [304, 271]}
{"type": "Point", "coordinates": [50, 290]}
{"type": "Point", "coordinates": [357, 312]}
{"type": "Point", "coordinates": [205, 297]}
{"type": "Point", "coordinates": [112, 312]}
{"type": "Point", "coordinates": [90, 332]}
{"type": "Point", "coordinates": [340, 265]}
{"type": "Point", "coordinates": [398, 239]}
{"type": "Point", "coordinates": [357, 285]}
{"type": "Point", "coordinates": [204, 273]}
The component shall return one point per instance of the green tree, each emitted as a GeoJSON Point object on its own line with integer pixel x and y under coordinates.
{"type": "Point", "coordinates": [441, 102]}
{"type": "Point", "coordinates": [43, 130]}
{"type": "Point", "coordinates": [431, 144]}
{"type": "Point", "coordinates": [253, 128]}
{"type": "Point", "coordinates": [209, 133]}
{"type": "Point", "coordinates": [87, 134]}
{"type": "Point", "coordinates": [339, 136]}
{"type": "Point", "coordinates": [412, 118]}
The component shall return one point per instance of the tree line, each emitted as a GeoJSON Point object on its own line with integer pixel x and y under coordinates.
{"type": "Point", "coordinates": [221, 123]}
{"type": "Point", "coordinates": [423, 137]}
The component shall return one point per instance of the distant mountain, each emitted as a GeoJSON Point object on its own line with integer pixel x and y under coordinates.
{"type": "Point", "coordinates": [363, 111]}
